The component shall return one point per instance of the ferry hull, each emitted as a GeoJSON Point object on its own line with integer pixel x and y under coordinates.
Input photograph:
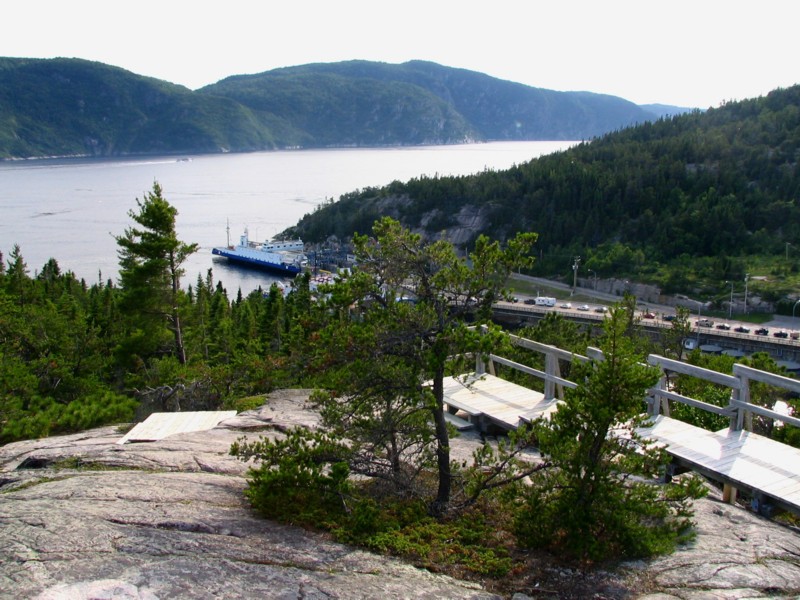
{"type": "Point", "coordinates": [257, 263]}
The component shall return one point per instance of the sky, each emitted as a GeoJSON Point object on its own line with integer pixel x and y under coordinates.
{"type": "Point", "coordinates": [689, 53]}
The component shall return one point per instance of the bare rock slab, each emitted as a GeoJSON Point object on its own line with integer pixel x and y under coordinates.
{"type": "Point", "coordinates": [82, 516]}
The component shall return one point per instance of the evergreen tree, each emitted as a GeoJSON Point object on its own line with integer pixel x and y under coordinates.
{"type": "Point", "coordinates": [16, 279]}
{"type": "Point", "coordinates": [385, 365]}
{"type": "Point", "coordinates": [151, 258]}
{"type": "Point", "coordinates": [601, 498]}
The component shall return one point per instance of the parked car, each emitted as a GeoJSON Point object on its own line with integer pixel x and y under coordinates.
{"type": "Point", "coordinates": [566, 305]}
{"type": "Point", "coordinates": [583, 307]}
{"type": "Point", "coordinates": [742, 329]}
{"type": "Point", "coordinates": [762, 331]}
{"type": "Point", "coordinates": [781, 334]}
{"type": "Point", "coordinates": [704, 323]}
{"type": "Point", "coordinates": [723, 326]}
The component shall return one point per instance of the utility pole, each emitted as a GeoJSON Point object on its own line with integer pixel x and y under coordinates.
{"type": "Point", "coordinates": [730, 306]}
{"type": "Point", "coordinates": [746, 277]}
{"type": "Point", "coordinates": [575, 274]}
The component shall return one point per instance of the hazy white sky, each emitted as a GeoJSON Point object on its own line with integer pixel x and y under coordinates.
{"type": "Point", "coordinates": [696, 53]}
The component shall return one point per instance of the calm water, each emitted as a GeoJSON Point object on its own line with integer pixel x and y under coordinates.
{"type": "Point", "coordinates": [72, 209]}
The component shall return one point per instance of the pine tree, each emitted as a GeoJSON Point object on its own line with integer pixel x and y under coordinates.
{"type": "Point", "coordinates": [151, 258]}
{"type": "Point", "coordinates": [385, 366]}
{"type": "Point", "coordinates": [602, 498]}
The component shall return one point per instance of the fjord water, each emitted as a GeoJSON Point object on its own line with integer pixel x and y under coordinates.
{"type": "Point", "coordinates": [71, 210]}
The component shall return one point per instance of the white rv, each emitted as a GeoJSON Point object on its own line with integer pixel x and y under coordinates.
{"type": "Point", "coordinates": [545, 301]}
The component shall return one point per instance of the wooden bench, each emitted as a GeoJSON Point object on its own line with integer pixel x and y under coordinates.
{"type": "Point", "coordinates": [740, 459]}
{"type": "Point", "coordinates": [489, 399]}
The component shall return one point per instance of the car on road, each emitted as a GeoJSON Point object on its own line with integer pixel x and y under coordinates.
{"type": "Point", "coordinates": [648, 315]}
{"type": "Point", "coordinates": [583, 307]}
{"type": "Point", "coordinates": [529, 301]}
{"type": "Point", "coordinates": [704, 323]}
{"type": "Point", "coordinates": [724, 326]}
{"type": "Point", "coordinates": [762, 331]}
{"type": "Point", "coordinates": [741, 329]}
{"type": "Point", "coordinates": [601, 309]}
{"type": "Point", "coordinates": [669, 317]}
{"type": "Point", "coordinates": [781, 334]}
{"type": "Point", "coordinates": [566, 305]}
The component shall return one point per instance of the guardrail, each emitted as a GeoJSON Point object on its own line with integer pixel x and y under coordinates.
{"type": "Point", "coordinates": [590, 315]}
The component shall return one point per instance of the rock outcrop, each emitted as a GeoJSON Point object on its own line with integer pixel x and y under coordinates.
{"type": "Point", "coordinates": [84, 517]}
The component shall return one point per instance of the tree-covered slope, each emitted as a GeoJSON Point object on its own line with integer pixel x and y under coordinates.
{"type": "Point", "coordinates": [337, 110]}
{"type": "Point", "coordinates": [722, 183]}
{"type": "Point", "coordinates": [64, 107]}
{"type": "Point", "coordinates": [76, 107]}
{"type": "Point", "coordinates": [418, 101]}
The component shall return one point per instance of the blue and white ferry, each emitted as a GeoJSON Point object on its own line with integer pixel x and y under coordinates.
{"type": "Point", "coordinates": [281, 256]}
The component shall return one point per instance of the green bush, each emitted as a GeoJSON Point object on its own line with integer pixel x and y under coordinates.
{"type": "Point", "coordinates": [465, 542]}
{"type": "Point", "coordinates": [44, 416]}
{"type": "Point", "coordinates": [600, 497]}
{"type": "Point", "coordinates": [301, 479]}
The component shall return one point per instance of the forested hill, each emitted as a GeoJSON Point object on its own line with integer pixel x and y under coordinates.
{"type": "Point", "coordinates": [370, 103]}
{"type": "Point", "coordinates": [70, 107]}
{"type": "Point", "coordinates": [73, 107]}
{"type": "Point", "coordinates": [715, 185]}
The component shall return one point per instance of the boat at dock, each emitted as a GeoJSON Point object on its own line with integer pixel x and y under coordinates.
{"type": "Point", "coordinates": [280, 256]}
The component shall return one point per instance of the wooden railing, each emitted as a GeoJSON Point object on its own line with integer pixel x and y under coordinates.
{"type": "Point", "coordinates": [554, 383]}
{"type": "Point", "coordinates": [740, 409]}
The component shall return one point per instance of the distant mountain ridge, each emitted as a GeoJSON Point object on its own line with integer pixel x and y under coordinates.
{"type": "Point", "coordinates": [74, 107]}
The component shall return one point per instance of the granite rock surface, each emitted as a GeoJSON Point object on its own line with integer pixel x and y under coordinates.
{"type": "Point", "coordinates": [84, 517]}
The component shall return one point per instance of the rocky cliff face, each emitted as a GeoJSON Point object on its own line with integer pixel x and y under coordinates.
{"type": "Point", "coordinates": [84, 517]}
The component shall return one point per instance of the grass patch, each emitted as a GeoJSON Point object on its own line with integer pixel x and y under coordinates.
{"type": "Point", "coordinates": [32, 483]}
{"type": "Point", "coordinates": [245, 404]}
{"type": "Point", "coordinates": [76, 463]}
{"type": "Point", "coordinates": [466, 545]}
{"type": "Point", "coordinates": [469, 545]}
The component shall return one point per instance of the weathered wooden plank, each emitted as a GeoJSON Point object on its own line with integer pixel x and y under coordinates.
{"type": "Point", "coordinates": [160, 425]}
{"type": "Point", "coordinates": [494, 398]}
{"type": "Point", "coordinates": [457, 422]}
{"type": "Point", "coordinates": [787, 383]}
{"type": "Point", "coordinates": [741, 458]}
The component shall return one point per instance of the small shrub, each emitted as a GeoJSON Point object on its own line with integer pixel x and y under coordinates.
{"type": "Point", "coordinates": [244, 404]}
{"type": "Point", "coordinates": [464, 543]}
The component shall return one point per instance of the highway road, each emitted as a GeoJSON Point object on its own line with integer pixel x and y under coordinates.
{"type": "Point", "coordinates": [720, 328]}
